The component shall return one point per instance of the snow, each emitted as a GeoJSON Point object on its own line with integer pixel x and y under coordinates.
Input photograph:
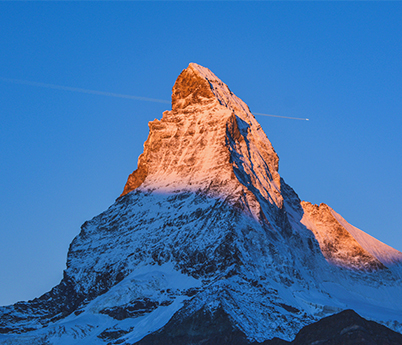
{"type": "Point", "coordinates": [146, 281]}
{"type": "Point", "coordinates": [213, 217]}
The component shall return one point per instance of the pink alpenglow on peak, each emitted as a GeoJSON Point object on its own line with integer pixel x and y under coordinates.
{"type": "Point", "coordinates": [209, 141]}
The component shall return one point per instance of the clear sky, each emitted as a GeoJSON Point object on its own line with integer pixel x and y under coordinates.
{"type": "Point", "coordinates": [65, 156]}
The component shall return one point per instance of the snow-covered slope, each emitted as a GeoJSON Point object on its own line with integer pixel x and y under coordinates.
{"type": "Point", "coordinates": [206, 226]}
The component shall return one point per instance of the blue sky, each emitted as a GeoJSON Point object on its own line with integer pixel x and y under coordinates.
{"type": "Point", "coordinates": [65, 156]}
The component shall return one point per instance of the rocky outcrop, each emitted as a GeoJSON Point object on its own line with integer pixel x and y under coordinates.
{"type": "Point", "coordinates": [191, 89]}
{"type": "Point", "coordinates": [203, 327]}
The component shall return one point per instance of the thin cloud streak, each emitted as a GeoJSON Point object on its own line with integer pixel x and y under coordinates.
{"type": "Point", "coordinates": [282, 117]}
{"type": "Point", "coordinates": [76, 89]}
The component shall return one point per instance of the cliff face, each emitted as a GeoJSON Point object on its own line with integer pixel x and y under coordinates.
{"type": "Point", "coordinates": [208, 142]}
{"type": "Point", "coordinates": [206, 230]}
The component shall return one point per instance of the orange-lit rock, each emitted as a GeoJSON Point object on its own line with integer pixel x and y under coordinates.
{"type": "Point", "coordinates": [208, 142]}
{"type": "Point", "coordinates": [337, 245]}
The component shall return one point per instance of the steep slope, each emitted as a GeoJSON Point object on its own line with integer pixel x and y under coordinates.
{"type": "Point", "coordinates": [206, 229]}
{"type": "Point", "coordinates": [337, 244]}
{"type": "Point", "coordinates": [345, 245]}
{"type": "Point", "coordinates": [382, 252]}
{"type": "Point", "coordinates": [208, 142]}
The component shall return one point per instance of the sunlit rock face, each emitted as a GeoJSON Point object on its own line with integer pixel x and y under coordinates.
{"type": "Point", "coordinates": [336, 243]}
{"type": "Point", "coordinates": [207, 230]}
{"type": "Point", "coordinates": [208, 142]}
{"type": "Point", "coordinates": [343, 244]}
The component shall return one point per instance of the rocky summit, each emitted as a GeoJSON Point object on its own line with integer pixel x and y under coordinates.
{"type": "Point", "coordinates": [207, 244]}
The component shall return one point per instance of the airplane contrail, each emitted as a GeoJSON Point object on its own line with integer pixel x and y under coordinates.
{"type": "Point", "coordinates": [283, 117]}
{"type": "Point", "coordinates": [112, 94]}
{"type": "Point", "coordinates": [76, 89]}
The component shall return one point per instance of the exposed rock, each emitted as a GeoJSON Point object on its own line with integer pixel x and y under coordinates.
{"type": "Point", "coordinates": [132, 309]}
{"type": "Point", "coordinates": [209, 142]}
{"type": "Point", "coordinates": [191, 89]}
{"type": "Point", "coordinates": [347, 328]}
{"type": "Point", "coordinates": [203, 327]}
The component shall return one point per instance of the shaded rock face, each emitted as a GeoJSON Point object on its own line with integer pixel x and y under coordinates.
{"type": "Point", "coordinates": [54, 305]}
{"type": "Point", "coordinates": [132, 309]}
{"type": "Point", "coordinates": [347, 328]}
{"type": "Point", "coordinates": [203, 327]}
{"type": "Point", "coordinates": [207, 243]}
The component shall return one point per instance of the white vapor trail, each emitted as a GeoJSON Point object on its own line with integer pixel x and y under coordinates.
{"type": "Point", "coordinates": [282, 117]}
{"type": "Point", "coordinates": [111, 94]}
{"type": "Point", "coordinates": [76, 89]}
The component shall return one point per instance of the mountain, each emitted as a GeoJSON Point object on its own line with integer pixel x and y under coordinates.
{"type": "Point", "coordinates": [344, 328]}
{"type": "Point", "coordinates": [207, 240]}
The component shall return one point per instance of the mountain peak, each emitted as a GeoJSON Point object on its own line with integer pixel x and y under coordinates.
{"type": "Point", "coordinates": [208, 233]}
{"type": "Point", "coordinates": [209, 141]}
{"type": "Point", "coordinates": [191, 88]}
{"type": "Point", "coordinates": [199, 83]}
